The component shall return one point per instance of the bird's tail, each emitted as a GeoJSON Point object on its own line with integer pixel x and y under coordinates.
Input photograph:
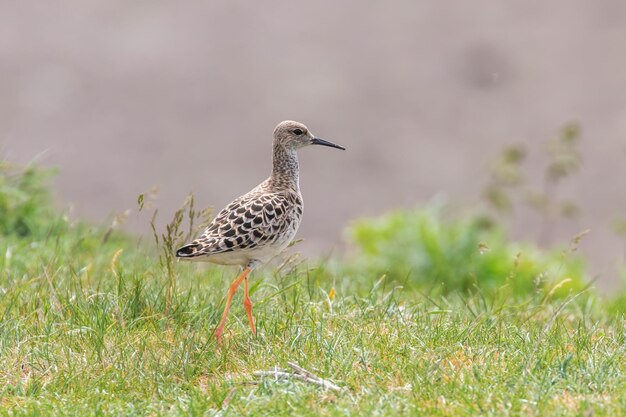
{"type": "Point", "coordinates": [188, 251]}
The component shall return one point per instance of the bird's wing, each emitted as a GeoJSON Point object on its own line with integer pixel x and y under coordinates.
{"type": "Point", "coordinates": [250, 221]}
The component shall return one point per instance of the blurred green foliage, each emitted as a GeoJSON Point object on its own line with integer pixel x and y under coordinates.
{"type": "Point", "coordinates": [510, 188]}
{"type": "Point", "coordinates": [428, 250]}
{"type": "Point", "coordinates": [35, 234]}
{"type": "Point", "coordinates": [424, 248]}
{"type": "Point", "coordinates": [25, 203]}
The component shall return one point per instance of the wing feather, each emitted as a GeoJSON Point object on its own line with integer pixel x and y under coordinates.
{"type": "Point", "coordinates": [252, 220]}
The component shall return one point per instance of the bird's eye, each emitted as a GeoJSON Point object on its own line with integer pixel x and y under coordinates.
{"type": "Point", "coordinates": [297, 132]}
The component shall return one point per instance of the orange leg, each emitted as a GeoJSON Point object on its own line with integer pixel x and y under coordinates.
{"type": "Point", "coordinates": [231, 292]}
{"type": "Point", "coordinates": [247, 304]}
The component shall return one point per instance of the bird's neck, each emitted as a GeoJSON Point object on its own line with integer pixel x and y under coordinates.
{"type": "Point", "coordinates": [285, 168]}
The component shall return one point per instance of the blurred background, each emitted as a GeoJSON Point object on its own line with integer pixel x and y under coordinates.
{"type": "Point", "coordinates": [123, 96]}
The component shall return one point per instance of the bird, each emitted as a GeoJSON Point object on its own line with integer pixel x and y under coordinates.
{"type": "Point", "coordinates": [259, 225]}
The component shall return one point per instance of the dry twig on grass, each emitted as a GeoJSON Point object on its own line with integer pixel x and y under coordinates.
{"type": "Point", "coordinates": [301, 374]}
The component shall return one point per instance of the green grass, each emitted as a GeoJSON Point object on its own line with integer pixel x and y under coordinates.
{"type": "Point", "coordinates": [92, 338]}
{"type": "Point", "coordinates": [91, 323]}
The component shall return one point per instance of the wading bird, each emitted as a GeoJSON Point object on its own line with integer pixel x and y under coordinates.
{"type": "Point", "coordinates": [259, 225]}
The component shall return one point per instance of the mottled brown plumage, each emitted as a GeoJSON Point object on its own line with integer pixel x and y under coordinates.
{"type": "Point", "coordinates": [257, 226]}
{"type": "Point", "coordinates": [242, 232]}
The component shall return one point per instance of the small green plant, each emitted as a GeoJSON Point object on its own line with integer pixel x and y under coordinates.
{"type": "Point", "coordinates": [509, 186]}
{"type": "Point", "coordinates": [25, 204]}
{"type": "Point", "coordinates": [429, 251]}
{"type": "Point", "coordinates": [173, 237]}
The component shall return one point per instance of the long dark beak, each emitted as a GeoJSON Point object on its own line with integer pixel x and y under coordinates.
{"type": "Point", "coordinates": [318, 141]}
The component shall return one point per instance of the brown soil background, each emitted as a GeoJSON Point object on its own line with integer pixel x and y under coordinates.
{"type": "Point", "coordinates": [126, 95]}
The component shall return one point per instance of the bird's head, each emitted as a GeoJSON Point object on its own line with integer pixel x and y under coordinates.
{"type": "Point", "coordinates": [294, 135]}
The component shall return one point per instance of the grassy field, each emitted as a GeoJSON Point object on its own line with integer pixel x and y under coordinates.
{"type": "Point", "coordinates": [92, 323]}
